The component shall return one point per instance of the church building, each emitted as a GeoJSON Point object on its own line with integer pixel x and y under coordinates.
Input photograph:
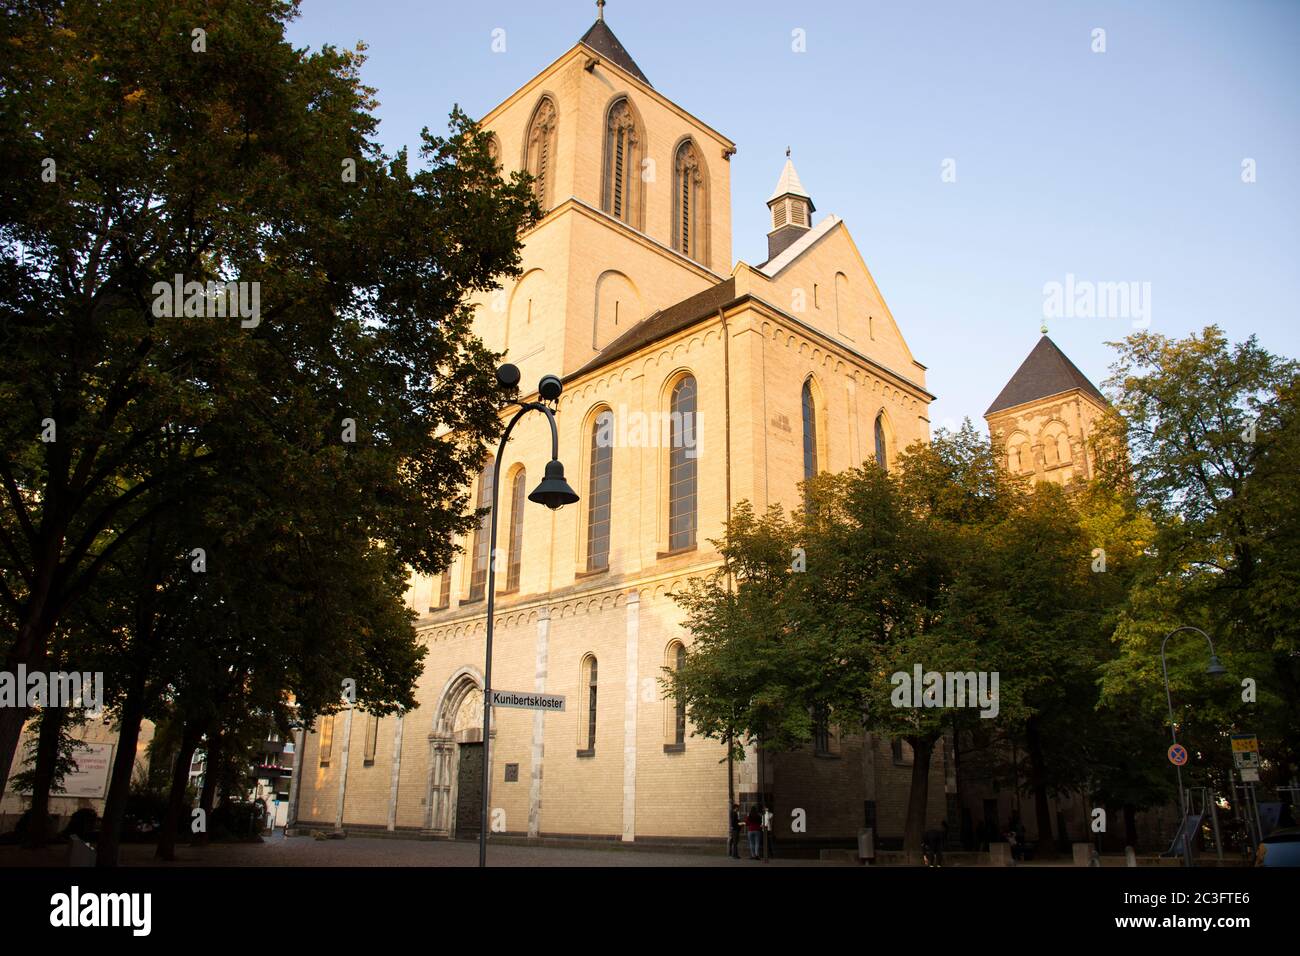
{"type": "Point", "coordinates": [691, 383]}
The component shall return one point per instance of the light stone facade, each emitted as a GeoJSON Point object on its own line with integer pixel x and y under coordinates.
{"type": "Point", "coordinates": [616, 306]}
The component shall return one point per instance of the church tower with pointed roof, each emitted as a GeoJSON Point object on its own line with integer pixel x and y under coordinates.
{"type": "Point", "coordinates": [791, 208]}
{"type": "Point", "coordinates": [692, 382]}
{"type": "Point", "coordinates": [1045, 415]}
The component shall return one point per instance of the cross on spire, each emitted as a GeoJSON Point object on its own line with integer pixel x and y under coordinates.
{"type": "Point", "coordinates": [600, 9]}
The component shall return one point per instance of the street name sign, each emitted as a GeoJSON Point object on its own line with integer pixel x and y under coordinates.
{"type": "Point", "coordinates": [528, 700]}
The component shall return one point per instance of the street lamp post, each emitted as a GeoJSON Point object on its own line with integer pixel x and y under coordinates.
{"type": "Point", "coordinates": [1215, 669]}
{"type": "Point", "coordinates": [554, 492]}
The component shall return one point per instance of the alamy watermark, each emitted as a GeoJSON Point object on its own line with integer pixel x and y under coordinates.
{"type": "Point", "coordinates": [951, 689]}
{"type": "Point", "coordinates": [24, 688]}
{"type": "Point", "coordinates": [628, 428]}
{"type": "Point", "coordinates": [210, 300]}
{"type": "Point", "coordinates": [1085, 299]}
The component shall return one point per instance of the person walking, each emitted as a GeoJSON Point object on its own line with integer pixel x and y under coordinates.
{"type": "Point", "coordinates": [754, 828]}
{"type": "Point", "coordinates": [735, 826]}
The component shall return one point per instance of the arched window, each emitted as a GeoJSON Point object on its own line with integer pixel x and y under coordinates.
{"type": "Point", "coordinates": [444, 590]}
{"type": "Point", "coordinates": [882, 456]}
{"type": "Point", "coordinates": [675, 738]}
{"type": "Point", "coordinates": [587, 729]}
{"type": "Point", "coordinates": [516, 531]}
{"type": "Point", "coordinates": [326, 739]}
{"type": "Point", "coordinates": [681, 466]}
{"type": "Point", "coordinates": [539, 145]}
{"type": "Point", "coordinates": [479, 570]}
{"type": "Point", "coordinates": [372, 740]}
{"type": "Point", "coordinates": [809, 431]}
{"type": "Point", "coordinates": [599, 489]}
{"type": "Point", "coordinates": [494, 150]}
{"type": "Point", "coordinates": [690, 203]}
{"type": "Point", "coordinates": [622, 192]}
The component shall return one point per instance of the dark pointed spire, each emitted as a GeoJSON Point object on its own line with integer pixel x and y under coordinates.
{"type": "Point", "coordinates": [601, 39]}
{"type": "Point", "coordinates": [1047, 371]}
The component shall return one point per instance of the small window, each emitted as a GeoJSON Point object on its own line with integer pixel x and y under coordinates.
{"type": "Point", "coordinates": [372, 738]}
{"type": "Point", "coordinates": [902, 752]}
{"type": "Point", "coordinates": [512, 773]}
{"type": "Point", "coordinates": [326, 739]}
{"type": "Point", "coordinates": [444, 592]}
{"type": "Point", "coordinates": [675, 735]}
{"type": "Point", "coordinates": [882, 455]}
{"type": "Point", "coordinates": [588, 726]}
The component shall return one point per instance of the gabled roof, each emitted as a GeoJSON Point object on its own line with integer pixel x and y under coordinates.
{"type": "Point", "coordinates": [797, 248]}
{"type": "Point", "coordinates": [1047, 371]}
{"type": "Point", "coordinates": [789, 184]}
{"type": "Point", "coordinates": [602, 40]}
{"type": "Point", "coordinates": [664, 323]}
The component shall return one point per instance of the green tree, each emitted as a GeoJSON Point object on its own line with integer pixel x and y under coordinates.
{"type": "Point", "coordinates": [138, 154]}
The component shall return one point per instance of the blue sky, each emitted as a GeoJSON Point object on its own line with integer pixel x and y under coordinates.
{"type": "Point", "coordinates": [1119, 166]}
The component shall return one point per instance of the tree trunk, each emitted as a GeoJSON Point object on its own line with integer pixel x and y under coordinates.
{"type": "Point", "coordinates": [1046, 849]}
{"type": "Point", "coordinates": [208, 795]}
{"type": "Point", "coordinates": [47, 755]}
{"type": "Point", "coordinates": [176, 799]}
{"type": "Point", "coordinates": [1130, 825]}
{"type": "Point", "coordinates": [917, 797]}
{"type": "Point", "coordinates": [119, 785]}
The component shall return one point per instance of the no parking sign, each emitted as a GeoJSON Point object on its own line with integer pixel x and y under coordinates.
{"type": "Point", "coordinates": [1177, 755]}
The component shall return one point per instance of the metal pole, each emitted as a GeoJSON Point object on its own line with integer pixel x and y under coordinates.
{"type": "Point", "coordinates": [1173, 733]}
{"type": "Point", "coordinates": [491, 607]}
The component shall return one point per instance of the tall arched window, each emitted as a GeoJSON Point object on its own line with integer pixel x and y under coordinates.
{"type": "Point", "coordinates": [494, 150]}
{"type": "Point", "coordinates": [623, 151]}
{"type": "Point", "coordinates": [809, 431]}
{"type": "Point", "coordinates": [539, 145]}
{"type": "Point", "coordinates": [599, 490]}
{"type": "Point", "coordinates": [479, 570]}
{"type": "Point", "coordinates": [516, 531]}
{"type": "Point", "coordinates": [690, 203]}
{"type": "Point", "coordinates": [326, 739]}
{"type": "Point", "coordinates": [587, 729]}
{"type": "Point", "coordinates": [681, 466]}
{"type": "Point", "coordinates": [444, 590]}
{"type": "Point", "coordinates": [676, 736]}
{"type": "Point", "coordinates": [882, 456]}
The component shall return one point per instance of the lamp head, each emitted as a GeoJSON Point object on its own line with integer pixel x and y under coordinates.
{"type": "Point", "coordinates": [508, 376]}
{"type": "Point", "coordinates": [549, 388]}
{"type": "Point", "coordinates": [1215, 669]}
{"type": "Point", "coordinates": [554, 491]}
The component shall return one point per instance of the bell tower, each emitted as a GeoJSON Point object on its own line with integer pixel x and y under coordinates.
{"type": "Point", "coordinates": [792, 210]}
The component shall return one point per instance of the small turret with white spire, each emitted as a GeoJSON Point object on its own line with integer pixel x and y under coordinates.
{"type": "Point", "coordinates": [792, 210]}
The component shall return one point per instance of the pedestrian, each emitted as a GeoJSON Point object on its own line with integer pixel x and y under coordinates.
{"type": "Point", "coordinates": [735, 825]}
{"type": "Point", "coordinates": [932, 845]}
{"type": "Point", "coordinates": [769, 849]}
{"type": "Point", "coordinates": [754, 828]}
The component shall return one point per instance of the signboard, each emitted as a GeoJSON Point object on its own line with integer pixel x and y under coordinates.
{"type": "Point", "coordinates": [1245, 756]}
{"type": "Point", "coordinates": [90, 779]}
{"type": "Point", "coordinates": [1177, 755]}
{"type": "Point", "coordinates": [528, 700]}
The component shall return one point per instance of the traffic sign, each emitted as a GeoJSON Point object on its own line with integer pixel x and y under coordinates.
{"type": "Point", "coordinates": [1244, 743]}
{"type": "Point", "coordinates": [528, 700]}
{"type": "Point", "coordinates": [1177, 755]}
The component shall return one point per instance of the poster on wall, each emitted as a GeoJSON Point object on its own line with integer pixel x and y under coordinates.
{"type": "Point", "coordinates": [90, 779]}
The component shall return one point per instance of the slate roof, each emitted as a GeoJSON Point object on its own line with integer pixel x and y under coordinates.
{"type": "Point", "coordinates": [601, 39]}
{"type": "Point", "coordinates": [664, 323]}
{"type": "Point", "coordinates": [1047, 371]}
